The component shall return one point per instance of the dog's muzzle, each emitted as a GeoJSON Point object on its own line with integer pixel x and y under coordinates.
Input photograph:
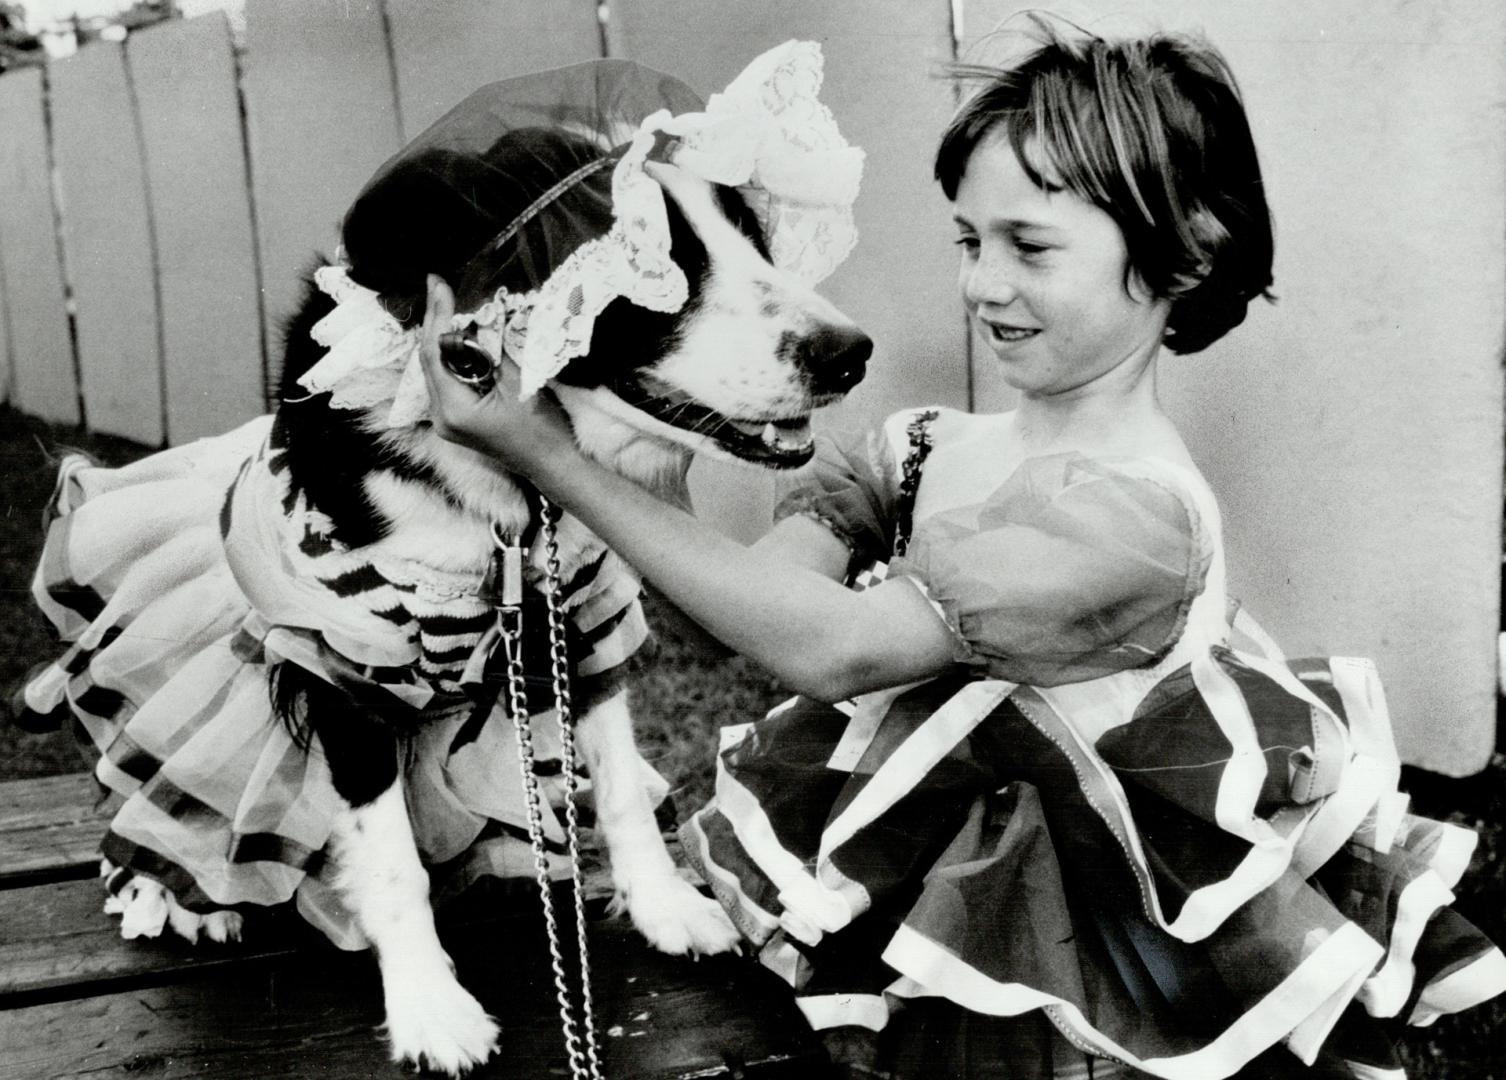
{"type": "Point", "coordinates": [836, 358]}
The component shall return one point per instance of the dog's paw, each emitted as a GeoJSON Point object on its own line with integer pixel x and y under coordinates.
{"type": "Point", "coordinates": [676, 918]}
{"type": "Point", "coordinates": [143, 906]}
{"type": "Point", "coordinates": [147, 907]}
{"type": "Point", "coordinates": [435, 1023]}
{"type": "Point", "coordinates": [217, 926]}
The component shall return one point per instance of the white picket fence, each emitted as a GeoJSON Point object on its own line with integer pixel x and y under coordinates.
{"type": "Point", "coordinates": [1354, 431]}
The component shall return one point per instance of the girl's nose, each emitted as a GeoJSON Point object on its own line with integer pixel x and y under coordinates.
{"type": "Point", "coordinates": [985, 281]}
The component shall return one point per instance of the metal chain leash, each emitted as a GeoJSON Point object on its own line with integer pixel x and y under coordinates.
{"type": "Point", "coordinates": [584, 1063]}
{"type": "Point", "coordinates": [560, 668]}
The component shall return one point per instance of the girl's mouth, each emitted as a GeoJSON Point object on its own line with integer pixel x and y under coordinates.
{"type": "Point", "coordinates": [1002, 333]}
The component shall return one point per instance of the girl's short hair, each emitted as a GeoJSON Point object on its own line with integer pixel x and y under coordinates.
{"type": "Point", "coordinates": [1151, 130]}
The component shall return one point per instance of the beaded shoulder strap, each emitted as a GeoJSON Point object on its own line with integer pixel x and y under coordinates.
{"type": "Point", "coordinates": [919, 432]}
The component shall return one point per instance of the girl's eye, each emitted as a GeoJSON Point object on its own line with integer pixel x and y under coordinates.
{"type": "Point", "coordinates": [967, 243]}
{"type": "Point", "coordinates": [1027, 250]}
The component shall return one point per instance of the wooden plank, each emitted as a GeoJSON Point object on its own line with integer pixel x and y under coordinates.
{"type": "Point", "coordinates": [50, 853]}
{"type": "Point", "coordinates": [443, 52]}
{"type": "Point", "coordinates": [107, 243]}
{"type": "Point", "coordinates": [898, 283]}
{"type": "Point", "coordinates": [50, 829]}
{"type": "Point", "coordinates": [46, 800]}
{"type": "Point", "coordinates": [1354, 430]}
{"type": "Point", "coordinates": [74, 996]}
{"type": "Point", "coordinates": [185, 80]}
{"type": "Point", "coordinates": [56, 941]}
{"type": "Point", "coordinates": [658, 1016]}
{"type": "Point", "coordinates": [44, 383]}
{"type": "Point", "coordinates": [322, 116]}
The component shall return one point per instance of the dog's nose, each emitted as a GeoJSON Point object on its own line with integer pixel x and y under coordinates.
{"type": "Point", "coordinates": [838, 358]}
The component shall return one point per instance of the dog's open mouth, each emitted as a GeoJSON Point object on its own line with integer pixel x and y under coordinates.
{"type": "Point", "coordinates": [773, 442]}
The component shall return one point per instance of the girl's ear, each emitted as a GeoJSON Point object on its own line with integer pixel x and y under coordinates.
{"type": "Point", "coordinates": [1136, 288]}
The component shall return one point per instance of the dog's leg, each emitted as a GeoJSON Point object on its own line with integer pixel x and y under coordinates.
{"type": "Point", "coordinates": [431, 1019]}
{"type": "Point", "coordinates": [664, 907]}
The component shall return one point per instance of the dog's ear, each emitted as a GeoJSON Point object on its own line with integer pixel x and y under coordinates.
{"type": "Point", "coordinates": [428, 214]}
{"type": "Point", "coordinates": [434, 210]}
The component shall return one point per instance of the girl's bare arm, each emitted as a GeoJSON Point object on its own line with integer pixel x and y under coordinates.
{"type": "Point", "coordinates": [787, 614]}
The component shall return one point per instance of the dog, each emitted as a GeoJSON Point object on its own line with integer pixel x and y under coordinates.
{"type": "Point", "coordinates": [735, 372]}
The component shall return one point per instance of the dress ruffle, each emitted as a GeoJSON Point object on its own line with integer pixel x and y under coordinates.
{"type": "Point", "coordinates": [167, 675]}
{"type": "Point", "coordinates": [1178, 896]}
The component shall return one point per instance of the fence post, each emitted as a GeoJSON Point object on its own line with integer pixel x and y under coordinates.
{"type": "Point", "coordinates": [44, 381]}
{"type": "Point", "coordinates": [185, 80]}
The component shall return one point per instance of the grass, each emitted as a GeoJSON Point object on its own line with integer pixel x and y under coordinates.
{"type": "Point", "coordinates": [681, 701]}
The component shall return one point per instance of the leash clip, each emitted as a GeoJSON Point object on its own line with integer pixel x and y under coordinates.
{"type": "Point", "coordinates": [502, 586]}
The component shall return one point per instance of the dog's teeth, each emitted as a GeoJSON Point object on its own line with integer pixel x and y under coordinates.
{"type": "Point", "coordinates": [786, 436]}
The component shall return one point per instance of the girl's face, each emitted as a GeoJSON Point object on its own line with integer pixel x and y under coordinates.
{"type": "Point", "coordinates": [1043, 278]}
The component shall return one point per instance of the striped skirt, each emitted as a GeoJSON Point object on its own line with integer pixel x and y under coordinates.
{"type": "Point", "coordinates": [957, 866]}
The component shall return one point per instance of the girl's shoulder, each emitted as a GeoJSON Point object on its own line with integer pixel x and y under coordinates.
{"type": "Point", "coordinates": [937, 422]}
{"type": "Point", "coordinates": [943, 437]}
{"type": "Point", "coordinates": [1176, 475]}
{"type": "Point", "coordinates": [968, 456]}
{"type": "Point", "coordinates": [1120, 486]}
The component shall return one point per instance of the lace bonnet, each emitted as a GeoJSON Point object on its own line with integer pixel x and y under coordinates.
{"type": "Point", "coordinates": [544, 214]}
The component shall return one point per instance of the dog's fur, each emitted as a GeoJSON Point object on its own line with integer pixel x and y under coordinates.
{"type": "Point", "coordinates": [736, 372]}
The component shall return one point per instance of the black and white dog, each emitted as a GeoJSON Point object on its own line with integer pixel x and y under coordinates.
{"type": "Point", "coordinates": [736, 372]}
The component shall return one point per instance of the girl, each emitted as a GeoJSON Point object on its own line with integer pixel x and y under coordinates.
{"type": "Point", "coordinates": [1063, 819]}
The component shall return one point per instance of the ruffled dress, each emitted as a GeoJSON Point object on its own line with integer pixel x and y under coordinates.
{"type": "Point", "coordinates": [178, 580]}
{"type": "Point", "coordinates": [1124, 827]}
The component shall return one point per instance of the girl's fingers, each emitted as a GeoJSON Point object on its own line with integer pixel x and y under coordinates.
{"type": "Point", "coordinates": [438, 381]}
{"type": "Point", "coordinates": [456, 410]}
{"type": "Point", "coordinates": [509, 379]}
{"type": "Point", "coordinates": [439, 308]}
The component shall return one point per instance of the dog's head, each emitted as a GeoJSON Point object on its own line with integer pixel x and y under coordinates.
{"type": "Point", "coordinates": [736, 371]}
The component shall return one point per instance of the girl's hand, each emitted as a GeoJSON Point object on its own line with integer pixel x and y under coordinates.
{"type": "Point", "coordinates": [522, 435]}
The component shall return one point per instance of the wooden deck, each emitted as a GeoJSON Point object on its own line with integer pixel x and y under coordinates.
{"type": "Point", "coordinates": [77, 1001]}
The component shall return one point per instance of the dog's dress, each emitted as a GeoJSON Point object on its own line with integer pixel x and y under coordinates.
{"type": "Point", "coordinates": [1132, 818]}
{"type": "Point", "coordinates": [180, 578]}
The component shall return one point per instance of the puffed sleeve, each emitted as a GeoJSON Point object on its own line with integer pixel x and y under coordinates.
{"type": "Point", "coordinates": [1073, 569]}
{"type": "Point", "coordinates": [850, 487]}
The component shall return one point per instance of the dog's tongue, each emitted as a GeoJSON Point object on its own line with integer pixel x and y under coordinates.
{"type": "Point", "coordinates": [784, 436]}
